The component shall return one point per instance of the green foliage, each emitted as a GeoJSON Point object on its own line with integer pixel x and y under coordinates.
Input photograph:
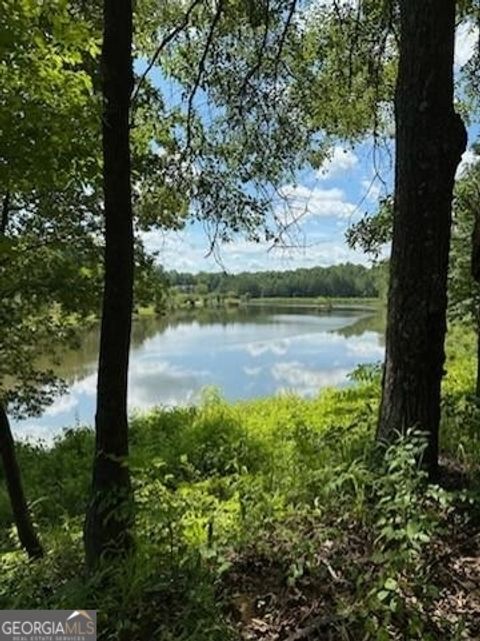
{"type": "Point", "coordinates": [44, 51]}
{"type": "Point", "coordinates": [142, 599]}
{"type": "Point", "coordinates": [281, 482]}
{"type": "Point", "coordinates": [50, 191]}
{"type": "Point", "coordinates": [266, 88]}
{"type": "Point", "coordinates": [48, 254]}
{"type": "Point", "coordinates": [407, 515]}
{"type": "Point", "coordinates": [47, 288]}
{"type": "Point", "coordinates": [373, 232]}
{"type": "Point", "coordinates": [343, 281]}
{"type": "Point", "coordinates": [367, 373]}
{"type": "Point", "coordinates": [464, 291]}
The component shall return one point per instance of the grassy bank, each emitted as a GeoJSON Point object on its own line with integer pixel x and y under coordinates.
{"type": "Point", "coordinates": [181, 301]}
{"type": "Point", "coordinates": [321, 302]}
{"type": "Point", "coordinates": [263, 519]}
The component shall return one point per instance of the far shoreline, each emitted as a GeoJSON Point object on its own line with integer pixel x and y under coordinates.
{"type": "Point", "coordinates": [327, 304]}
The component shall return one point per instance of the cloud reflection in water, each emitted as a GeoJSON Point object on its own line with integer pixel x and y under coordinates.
{"type": "Point", "coordinates": [246, 354]}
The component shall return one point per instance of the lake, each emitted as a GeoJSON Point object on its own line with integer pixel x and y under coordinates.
{"type": "Point", "coordinates": [247, 353]}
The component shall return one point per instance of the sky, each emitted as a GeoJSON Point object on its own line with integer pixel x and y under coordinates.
{"type": "Point", "coordinates": [348, 185]}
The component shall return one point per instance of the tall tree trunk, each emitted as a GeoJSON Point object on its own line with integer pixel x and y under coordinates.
{"type": "Point", "coordinates": [109, 516]}
{"type": "Point", "coordinates": [5, 214]}
{"type": "Point", "coordinates": [25, 528]}
{"type": "Point", "coordinates": [26, 531]}
{"type": "Point", "coordinates": [430, 140]}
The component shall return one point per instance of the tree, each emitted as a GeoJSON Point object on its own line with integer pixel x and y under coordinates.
{"type": "Point", "coordinates": [338, 280]}
{"type": "Point", "coordinates": [48, 286]}
{"type": "Point", "coordinates": [243, 78]}
{"type": "Point", "coordinates": [109, 516]}
{"type": "Point", "coordinates": [430, 139]}
{"type": "Point", "coordinates": [51, 204]}
{"type": "Point", "coordinates": [27, 533]}
{"type": "Point", "coordinates": [42, 48]}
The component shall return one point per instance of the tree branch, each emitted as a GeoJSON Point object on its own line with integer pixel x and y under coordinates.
{"type": "Point", "coordinates": [283, 37]}
{"type": "Point", "coordinates": [164, 43]}
{"type": "Point", "coordinates": [201, 69]}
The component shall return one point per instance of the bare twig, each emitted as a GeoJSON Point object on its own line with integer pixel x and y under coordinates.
{"type": "Point", "coordinates": [283, 37]}
{"type": "Point", "coordinates": [164, 43]}
{"type": "Point", "coordinates": [317, 624]}
{"type": "Point", "coordinates": [201, 69]}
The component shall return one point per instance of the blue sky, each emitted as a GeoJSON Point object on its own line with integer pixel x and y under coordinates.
{"type": "Point", "coordinates": [327, 201]}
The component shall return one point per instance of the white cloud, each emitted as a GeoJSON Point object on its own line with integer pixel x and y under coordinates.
{"type": "Point", "coordinates": [341, 161]}
{"type": "Point", "coordinates": [279, 348]}
{"type": "Point", "coordinates": [87, 385]}
{"type": "Point", "coordinates": [469, 158]}
{"type": "Point", "coordinates": [304, 381]}
{"type": "Point", "coordinates": [159, 382]}
{"type": "Point", "coordinates": [252, 371]}
{"type": "Point", "coordinates": [466, 40]}
{"type": "Point", "coordinates": [35, 433]}
{"type": "Point", "coordinates": [372, 190]}
{"type": "Point", "coordinates": [301, 201]}
{"type": "Point", "coordinates": [184, 252]}
{"type": "Point", "coordinates": [366, 347]}
{"type": "Point", "coordinates": [62, 405]}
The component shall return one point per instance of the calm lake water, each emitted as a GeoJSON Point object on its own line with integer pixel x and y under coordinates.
{"type": "Point", "coordinates": [246, 353]}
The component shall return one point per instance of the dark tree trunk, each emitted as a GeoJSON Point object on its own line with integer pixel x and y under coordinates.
{"type": "Point", "coordinates": [26, 531]}
{"type": "Point", "coordinates": [25, 528]}
{"type": "Point", "coordinates": [5, 214]}
{"type": "Point", "coordinates": [430, 140]}
{"type": "Point", "coordinates": [109, 516]}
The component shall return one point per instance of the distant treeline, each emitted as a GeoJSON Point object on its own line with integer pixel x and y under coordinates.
{"type": "Point", "coordinates": [346, 280]}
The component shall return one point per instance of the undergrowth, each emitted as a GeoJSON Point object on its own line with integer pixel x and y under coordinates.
{"type": "Point", "coordinates": [258, 518]}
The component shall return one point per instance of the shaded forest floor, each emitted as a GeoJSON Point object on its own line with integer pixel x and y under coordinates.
{"type": "Point", "coordinates": [275, 519]}
{"type": "Point", "coordinates": [436, 597]}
